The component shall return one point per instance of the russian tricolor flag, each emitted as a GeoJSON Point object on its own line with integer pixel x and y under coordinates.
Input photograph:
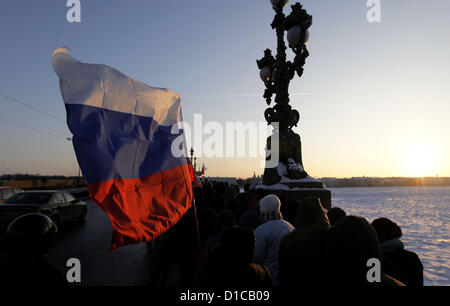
{"type": "Point", "coordinates": [122, 138]}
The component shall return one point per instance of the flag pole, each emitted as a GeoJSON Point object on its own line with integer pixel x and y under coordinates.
{"type": "Point", "coordinates": [199, 243]}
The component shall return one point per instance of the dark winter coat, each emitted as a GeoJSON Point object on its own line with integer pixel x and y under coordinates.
{"type": "Point", "coordinates": [299, 262]}
{"type": "Point", "coordinates": [230, 265]}
{"type": "Point", "coordinates": [404, 265]}
{"type": "Point", "coordinates": [346, 249]}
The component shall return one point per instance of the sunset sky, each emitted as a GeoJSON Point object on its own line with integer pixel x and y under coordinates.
{"type": "Point", "coordinates": [374, 99]}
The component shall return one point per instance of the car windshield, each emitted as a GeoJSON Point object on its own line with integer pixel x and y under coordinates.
{"type": "Point", "coordinates": [29, 197]}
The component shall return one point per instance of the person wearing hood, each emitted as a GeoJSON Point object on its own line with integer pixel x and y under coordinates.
{"type": "Point", "coordinates": [299, 264]}
{"type": "Point", "coordinates": [270, 233]}
{"type": "Point", "coordinates": [346, 250]}
{"type": "Point", "coordinates": [400, 263]}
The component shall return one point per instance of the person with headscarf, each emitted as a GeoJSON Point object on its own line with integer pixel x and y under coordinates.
{"type": "Point", "coordinates": [346, 250]}
{"type": "Point", "coordinates": [232, 265]}
{"type": "Point", "coordinates": [400, 263]}
{"type": "Point", "coordinates": [270, 233]}
{"type": "Point", "coordinates": [299, 263]}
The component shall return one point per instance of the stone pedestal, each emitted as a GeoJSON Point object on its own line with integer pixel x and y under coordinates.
{"type": "Point", "coordinates": [300, 193]}
{"type": "Point", "coordinates": [288, 180]}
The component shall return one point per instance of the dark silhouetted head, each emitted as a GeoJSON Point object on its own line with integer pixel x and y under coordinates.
{"type": "Point", "coordinates": [224, 219]}
{"type": "Point", "coordinates": [335, 214]}
{"type": "Point", "coordinates": [310, 213]}
{"type": "Point", "coordinates": [346, 247]}
{"type": "Point", "coordinates": [386, 229]}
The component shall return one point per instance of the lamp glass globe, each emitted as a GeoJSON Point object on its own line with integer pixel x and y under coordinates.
{"type": "Point", "coordinates": [276, 3]}
{"type": "Point", "coordinates": [265, 74]}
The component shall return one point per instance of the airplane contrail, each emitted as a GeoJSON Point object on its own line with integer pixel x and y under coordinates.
{"type": "Point", "coordinates": [240, 95]}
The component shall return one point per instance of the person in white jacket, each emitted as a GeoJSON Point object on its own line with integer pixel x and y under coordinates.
{"type": "Point", "coordinates": [269, 234]}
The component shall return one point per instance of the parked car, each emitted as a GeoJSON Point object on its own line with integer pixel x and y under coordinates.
{"type": "Point", "coordinates": [7, 192]}
{"type": "Point", "coordinates": [60, 206]}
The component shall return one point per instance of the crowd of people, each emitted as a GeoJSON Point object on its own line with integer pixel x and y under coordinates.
{"type": "Point", "coordinates": [257, 239]}
{"type": "Point", "coordinates": [248, 239]}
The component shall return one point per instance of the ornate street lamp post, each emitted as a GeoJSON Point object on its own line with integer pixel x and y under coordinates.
{"type": "Point", "coordinates": [192, 156]}
{"type": "Point", "coordinates": [193, 161]}
{"type": "Point", "coordinates": [277, 73]}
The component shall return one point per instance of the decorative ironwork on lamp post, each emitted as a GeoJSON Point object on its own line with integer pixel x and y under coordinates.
{"type": "Point", "coordinates": [277, 73]}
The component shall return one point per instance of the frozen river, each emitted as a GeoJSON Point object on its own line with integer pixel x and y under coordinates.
{"type": "Point", "coordinates": [423, 213]}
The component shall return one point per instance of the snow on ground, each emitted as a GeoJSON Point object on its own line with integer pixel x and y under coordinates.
{"type": "Point", "coordinates": [282, 172]}
{"type": "Point", "coordinates": [423, 213]}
